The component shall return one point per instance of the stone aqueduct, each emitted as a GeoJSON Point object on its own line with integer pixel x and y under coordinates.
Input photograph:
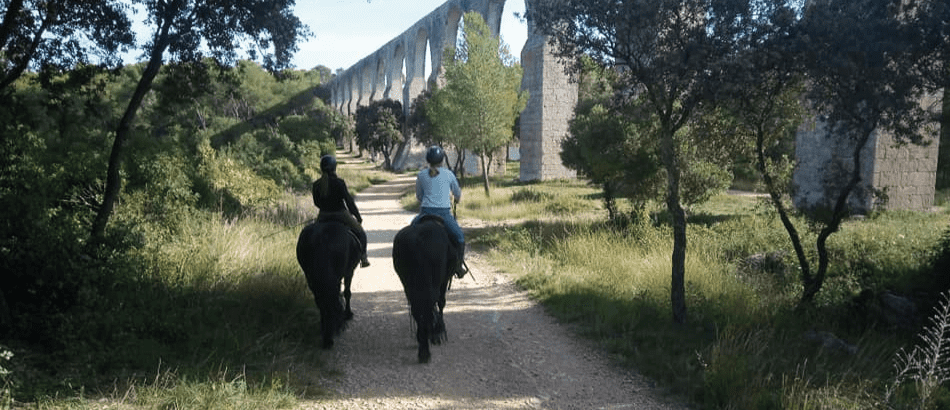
{"type": "Point", "coordinates": [907, 174]}
{"type": "Point", "coordinates": [397, 71]}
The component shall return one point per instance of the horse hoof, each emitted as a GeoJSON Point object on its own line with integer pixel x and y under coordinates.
{"type": "Point", "coordinates": [348, 316]}
{"type": "Point", "coordinates": [424, 357]}
{"type": "Point", "coordinates": [327, 344]}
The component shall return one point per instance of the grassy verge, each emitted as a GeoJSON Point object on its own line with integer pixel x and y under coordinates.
{"type": "Point", "coordinates": [746, 344]}
{"type": "Point", "coordinates": [213, 314]}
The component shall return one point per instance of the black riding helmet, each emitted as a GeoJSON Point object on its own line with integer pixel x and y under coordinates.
{"type": "Point", "coordinates": [328, 164]}
{"type": "Point", "coordinates": [435, 154]}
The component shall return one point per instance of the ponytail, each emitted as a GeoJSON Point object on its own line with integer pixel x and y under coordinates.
{"type": "Point", "coordinates": [434, 170]}
{"type": "Point", "coordinates": [324, 188]}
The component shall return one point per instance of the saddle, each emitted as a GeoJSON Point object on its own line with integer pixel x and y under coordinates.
{"type": "Point", "coordinates": [461, 268]}
{"type": "Point", "coordinates": [340, 219]}
{"type": "Point", "coordinates": [440, 221]}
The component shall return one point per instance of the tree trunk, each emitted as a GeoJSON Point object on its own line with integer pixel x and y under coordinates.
{"type": "Point", "coordinates": [123, 131]}
{"type": "Point", "coordinates": [609, 202]}
{"type": "Point", "coordinates": [484, 160]}
{"type": "Point", "coordinates": [776, 197]}
{"type": "Point", "coordinates": [812, 284]}
{"type": "Point", "coordinates": [678, 216]}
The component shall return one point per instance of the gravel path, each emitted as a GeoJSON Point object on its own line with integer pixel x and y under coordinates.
{"type": "Point", "coordinates": [503, 351]}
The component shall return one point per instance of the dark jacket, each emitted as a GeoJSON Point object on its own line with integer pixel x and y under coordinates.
{"type": "Point", "coordinates": [337, 199]}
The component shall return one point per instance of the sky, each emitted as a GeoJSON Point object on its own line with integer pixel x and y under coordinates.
{"type": "Point", "coordinates": [346, 31]}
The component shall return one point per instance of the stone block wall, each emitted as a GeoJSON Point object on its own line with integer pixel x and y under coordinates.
{"type": "Point", "coordinates": [907, 174]}
{"type": "Point", "coordinates": [544, 122]}
{"type": "Point", "coordinates": [892, 176]}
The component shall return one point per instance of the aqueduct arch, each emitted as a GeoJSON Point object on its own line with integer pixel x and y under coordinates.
{"type": "Point", "coordinates": [397, 71]}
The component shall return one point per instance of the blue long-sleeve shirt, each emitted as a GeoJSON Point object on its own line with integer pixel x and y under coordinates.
{"type": "Point", "coordinates": [433, 192]}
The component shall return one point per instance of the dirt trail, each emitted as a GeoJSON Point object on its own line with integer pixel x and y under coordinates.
{"type": "Point", "coordinates": [503, 351]}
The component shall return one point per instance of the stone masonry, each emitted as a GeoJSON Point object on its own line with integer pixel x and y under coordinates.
{"type": "Point", "coordinates": [892, 176]}
{"type": "Point", "coordinates": [544, 121]}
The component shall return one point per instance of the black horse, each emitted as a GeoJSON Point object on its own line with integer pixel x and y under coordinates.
{"type": "Point", "coordinates": [328, 252]}
{"type": "Point", "coordinates": [423, 257]}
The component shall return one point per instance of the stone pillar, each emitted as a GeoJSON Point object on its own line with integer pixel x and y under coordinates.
{"type": "Point", "coordinates": [544, 121]}
{"type": "Point", "coordinates": [396, 77]}
{"type": "Point", "coordinates": [892, 176]}
{"type": "Point", "coordinates": [378, 79]}
{"type": "Point", "coordinates": [906, 174]}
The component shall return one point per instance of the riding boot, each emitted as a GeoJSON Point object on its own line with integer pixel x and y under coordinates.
{"type": "Point", "coordinates": [364, 261]}
{"type": "Point", "coordinates": [461, 268]}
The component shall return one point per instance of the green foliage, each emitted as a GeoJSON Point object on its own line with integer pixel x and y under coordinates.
{"type": "Point", "coordinates": [379, 128]}
{"type": "Point", "coordinates": [477, 107]}
{"type": "Point", "coordinates": [617, 149]}
{"type": "Point", "coordinates": [61, 35]}
{"type": "Point", "coordinates": [419, 124]}
{"type": "Point", "coordinates": [205, 147]}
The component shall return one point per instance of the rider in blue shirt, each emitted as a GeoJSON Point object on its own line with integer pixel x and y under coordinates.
{"type": "Point", "coordinates": [433, 187]}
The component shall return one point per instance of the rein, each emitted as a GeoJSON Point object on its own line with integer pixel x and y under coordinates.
{"type": "Point", "coordinates": [282, 230]}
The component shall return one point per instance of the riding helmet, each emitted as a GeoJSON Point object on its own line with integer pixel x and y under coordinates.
{"type": "Point", "coordinates": [435, 154]}
{"type": "Point", "coordinates": [328, 164]}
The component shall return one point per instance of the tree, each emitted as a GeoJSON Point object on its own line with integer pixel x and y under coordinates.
{"type": "Point", "coordinates": [61, 34]}
{"type": "Point", "coordinates": [614, 147]}
{"type": "Point", "coordinates": [668, 55]}
{"type": "Point", "coordinates": [609, 149]}
{"type": "Point", "coordinates": [476, 109]}
{"type": "Point", "coordinates": [764, 102]}
{"type": "Point", "coordinates": [418, 123]}
{"type": "Point", "coordinates": [187, 30]}
{"type": "Point", "coordinates": [862, 78]}
{"type": "Point", "coordinates": [379, 128]}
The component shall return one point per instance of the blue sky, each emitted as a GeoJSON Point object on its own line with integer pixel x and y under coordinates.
{"type": "Point", "coordinates": [345, 31]}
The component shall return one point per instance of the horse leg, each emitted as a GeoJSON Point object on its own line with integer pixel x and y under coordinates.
{"type": "Point", "coordinates": [423, 327]}
{"type": "Point", "coordinates": [327, 327]}
{"type": "Point", "coordinates": [347, 313]}
{"type": "Point", "coordinates": [439, 334]}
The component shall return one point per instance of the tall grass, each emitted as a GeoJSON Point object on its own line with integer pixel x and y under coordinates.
{"type": "Point", "coordinates": [512, 201]}
{"type": "Point", "coordinates": [217, 315]}
{"type": "Point", "coordinates": [747, 343]}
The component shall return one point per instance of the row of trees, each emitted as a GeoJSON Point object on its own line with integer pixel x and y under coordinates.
{"type": "Point", "coordinates": [739, 76]}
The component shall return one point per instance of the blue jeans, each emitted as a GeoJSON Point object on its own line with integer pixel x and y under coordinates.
{"type": "Point", "coordinates": [446, 215]}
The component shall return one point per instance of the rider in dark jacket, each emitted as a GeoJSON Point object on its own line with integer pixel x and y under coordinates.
{"type": "Point", "coordinates": [333, 199]}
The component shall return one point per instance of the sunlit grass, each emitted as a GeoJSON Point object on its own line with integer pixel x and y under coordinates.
{"type": "Point", "coordinates": [743, 344]}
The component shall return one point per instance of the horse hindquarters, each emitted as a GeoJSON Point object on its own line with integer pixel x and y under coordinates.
{"type": "Point", "coordinates": [420, 260]}
{"type": "Point", "coordinates": [326, 258]}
